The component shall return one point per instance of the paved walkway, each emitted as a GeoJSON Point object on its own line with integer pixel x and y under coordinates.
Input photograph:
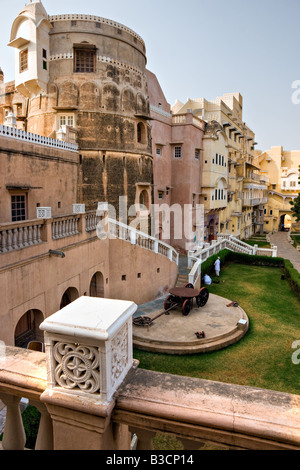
{"type": "Point", "coordinates": [286, 249]}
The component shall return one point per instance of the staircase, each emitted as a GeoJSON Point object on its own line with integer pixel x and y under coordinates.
{"type": "Point", "coordinates": [183, 271]}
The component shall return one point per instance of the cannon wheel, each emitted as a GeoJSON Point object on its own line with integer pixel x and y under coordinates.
{"type": "Point", "coordinates": [168, 302]}
{"type": "Point", "coordinates": [203, 296]}
{"type": "Point", "coordinates": [186, 307]}
{"type": "Point", "coordinates": [142, 321]}
{"type": "Point", "coordinates": [189, 285]}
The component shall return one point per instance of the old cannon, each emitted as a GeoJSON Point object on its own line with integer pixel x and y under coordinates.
{"type": "Point", "coordinates": [182, 297]}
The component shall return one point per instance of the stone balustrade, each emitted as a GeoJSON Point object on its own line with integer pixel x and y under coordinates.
{"type": "Point", "coordinates": [117, 229]}
{"type": "Point", "coordinates": [14, 133]}
{"type": "Point", "coordinates": [92, 395]}
{"type": "Point", "coordinates": [63, 227]}
{"type": "Point", "coordinates": [18, 235]}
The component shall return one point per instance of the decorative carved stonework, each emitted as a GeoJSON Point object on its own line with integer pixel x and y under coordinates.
{"type": "Point", "coordinates": [89, 347]}
{"type": "Point", "coordinates": [77, 367]}
{"type": "Point", "coordinates": [119, 348]}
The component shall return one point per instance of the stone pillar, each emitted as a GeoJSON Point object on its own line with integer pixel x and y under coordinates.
{"type": "Point", "coordinates": [89, 353]}
{"type": "Point", "coordinates": [14, 435]}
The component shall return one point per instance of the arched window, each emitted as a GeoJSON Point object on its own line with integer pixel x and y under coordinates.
{"type": "Point", "coordinates": [69, 296]}
{"type": "Point", "coordinates": [141, 133]}
{"type": "Point", "coordinates": [144, 200]}
{"type": "Point", "coordinates": [27, 328]}
{"type": "Point", "coordinates": [97, 285]}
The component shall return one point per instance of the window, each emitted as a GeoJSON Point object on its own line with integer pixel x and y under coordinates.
{"type": "Point", "coordinates": [160, 195]}
{"type": "Point", "coordinates": [197, 154]}
{"type": "Point", "coordinates": [66, 120]}
{"type": "Point", "coordinates": [23, 60]}
{"type": "Point", "coordinates": [84, 60]}
{"type": "Point", "coordinates": [18, 207]}
{"type": "Point", "coordinates": [141, 133]}
{"type": "Point", "coordinates": [216, 158]}
{"type": "Point", "coordinates": [177, 152]}
{"type": "Point", "coordinates": [158, 151]}
{"type": "Point", "coordinates": [44, 59]}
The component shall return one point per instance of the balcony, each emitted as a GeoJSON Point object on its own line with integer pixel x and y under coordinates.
{"type": "Point", "coordinates": [92, 395]}
{"type": "Point", "coordinates": [250, 202]}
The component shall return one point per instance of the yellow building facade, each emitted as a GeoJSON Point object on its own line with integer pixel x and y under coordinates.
{"type": "Point", "coordinates": [233, 191]}
{"type": "Point", "coordinates": [281, 167]}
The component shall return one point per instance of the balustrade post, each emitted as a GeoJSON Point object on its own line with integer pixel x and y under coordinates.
{"type": "Point", "coordinates": [144, 438]}
{"type": "Point", "coordinates": [88, 355]}
{"type": "Point", "coordinates": [14, 437]}
{"type": "Point", "coordinates": [44, 439]}
{"type": "Point", "coordinates": [132, 236]}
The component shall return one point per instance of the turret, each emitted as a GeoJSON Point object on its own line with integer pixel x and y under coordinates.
{"type": "Point", "coordinates": [30, 38]}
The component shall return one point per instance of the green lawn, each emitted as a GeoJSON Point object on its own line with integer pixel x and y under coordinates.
{"type": "Point", "coordinates": [260, 243]}
{"type": "Point", "coordinates": [263, 358]}
{"type": "Point", "coordinates": [296, 238]}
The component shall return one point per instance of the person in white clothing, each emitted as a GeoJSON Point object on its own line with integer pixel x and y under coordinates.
{"type": "Point", "coordinates": [207, 280]}
{"type": "Point", "coordinates": [217, 267]}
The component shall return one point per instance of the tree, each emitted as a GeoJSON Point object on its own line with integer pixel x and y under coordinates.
{"type": "Point", "coordinates": [296, 204]}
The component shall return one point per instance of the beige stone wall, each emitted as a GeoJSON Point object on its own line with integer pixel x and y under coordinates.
{"type": "Point", "coordinates": [32, 279]}
{"type": "Point", "coordinates": [48, 176]}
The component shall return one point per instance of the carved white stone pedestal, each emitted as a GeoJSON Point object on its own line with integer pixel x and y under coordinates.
{"type": "Point", "coordinates": [88, 354]}
{"type": "Point", "coordinates": [89, 347]}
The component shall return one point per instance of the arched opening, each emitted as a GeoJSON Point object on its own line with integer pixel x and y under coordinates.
{"type": "Point", "coordinates": [285, 222]}
{"type": "Point", "coordinates": [212, 228]}
{"type": "Point", "coordinates": [69, 296]}
{"type": "Point", "coordinates": [27, 328]}
{"type": "Point", "coordinates": [144, 200]}
{"type": "Point", "coordinates": [141, 133]}
{"type": "Point", "coordinates": [97, 285]}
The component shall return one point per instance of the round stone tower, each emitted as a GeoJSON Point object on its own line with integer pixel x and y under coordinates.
{"type": "Point", "coordinates": [96, 95]}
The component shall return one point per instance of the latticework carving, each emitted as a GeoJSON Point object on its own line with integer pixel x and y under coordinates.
{"type": "Point", "coordinates": [119, 347]}
{"type": "Point", "coordinates": [77, 368]}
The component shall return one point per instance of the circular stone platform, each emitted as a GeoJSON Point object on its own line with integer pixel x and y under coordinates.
{"type": "Point", "coordinates": [223, 325]}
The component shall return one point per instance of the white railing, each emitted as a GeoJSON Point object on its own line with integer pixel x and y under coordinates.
{"type": "Point", "coordinates": [14, 133]}
{"type": "Point", "coordinates": [18, 235]}
{"type": "Point", "coordinates": [195, 259]}
{"type": "Point", "coordinates": [119, 230]}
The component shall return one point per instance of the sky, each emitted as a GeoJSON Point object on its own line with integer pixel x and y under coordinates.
{"type": "Point", "coordinates": [200, 48]}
